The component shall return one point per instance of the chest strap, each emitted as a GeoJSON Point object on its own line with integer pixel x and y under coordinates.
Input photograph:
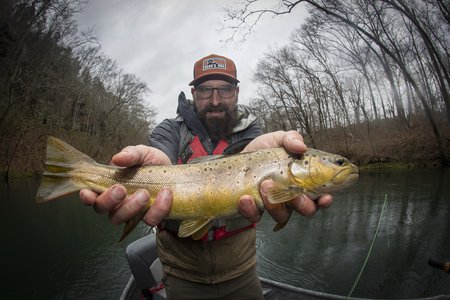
{"type": "Point", "coordinates": [220, 233]}
{"type": "Point", "coordinates": [223, 228]}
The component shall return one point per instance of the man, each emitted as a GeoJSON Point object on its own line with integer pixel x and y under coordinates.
{"type": "Point", "coordinates": [222, 265]}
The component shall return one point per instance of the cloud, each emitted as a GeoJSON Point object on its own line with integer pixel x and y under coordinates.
{"type": "Point", "coordinates": [159, 41]}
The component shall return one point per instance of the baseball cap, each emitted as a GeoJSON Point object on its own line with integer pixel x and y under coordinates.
{"type": "Point", "coordinates": [214, 66]}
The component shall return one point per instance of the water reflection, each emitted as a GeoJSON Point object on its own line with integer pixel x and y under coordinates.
{"type": "Point", "coordinates": [57, 250]}
{"type": "Point", "coordinates": [64, 250]}
{"type": "Point", "coordinates": [325, 253]}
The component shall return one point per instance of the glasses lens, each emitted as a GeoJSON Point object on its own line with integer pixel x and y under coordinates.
{"type": "Point", "coordinates": [226, 91]}
{"type": "Point", "coordinates": [204, 92]}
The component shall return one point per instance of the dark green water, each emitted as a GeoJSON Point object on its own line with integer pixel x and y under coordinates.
{"type": "Point", "coordinates": [63, 250]}
{"type": "Point", "coordinates": [327, 252]}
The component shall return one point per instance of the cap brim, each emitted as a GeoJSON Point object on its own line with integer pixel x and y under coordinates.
{"type": "Point", "coordinates": [213, 76]}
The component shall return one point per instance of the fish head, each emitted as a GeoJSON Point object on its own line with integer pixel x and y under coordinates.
{"type": "Point", "coordinates": [319, 172]}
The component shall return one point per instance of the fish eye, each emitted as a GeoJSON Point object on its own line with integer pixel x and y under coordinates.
{"type": "Point", "coordinates": [340, 161]}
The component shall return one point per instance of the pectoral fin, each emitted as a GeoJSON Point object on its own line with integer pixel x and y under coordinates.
{"type": "Point", "coordinates": [282, 193]}
{"type": "Point", "coordinates": [197, 228]}
{"type": "Point", "coordinates": [281, 225]}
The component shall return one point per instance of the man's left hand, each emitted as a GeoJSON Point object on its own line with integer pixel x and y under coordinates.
{"type": "Point", "coordinates": [293, 142]}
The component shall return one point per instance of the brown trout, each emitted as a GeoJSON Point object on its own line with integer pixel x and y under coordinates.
{"type": "Point", "coordinates": [203, 191]}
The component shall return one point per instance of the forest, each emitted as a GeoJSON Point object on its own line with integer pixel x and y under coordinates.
{"type": "Point", "coordinates": [366, 79]}
{"type": "Point", "coordinates": [55, 80]}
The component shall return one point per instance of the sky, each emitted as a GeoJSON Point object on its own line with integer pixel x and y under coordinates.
{"type": "Point", "coordinates": [160, 40]}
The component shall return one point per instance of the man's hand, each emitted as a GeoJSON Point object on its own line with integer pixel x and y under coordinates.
{"type": "Point", "coordinates": [115, 201]}
{"type": "Point", "coordinates": [293, 142]}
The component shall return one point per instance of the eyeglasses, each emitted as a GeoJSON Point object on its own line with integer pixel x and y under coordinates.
{"type": "Point", "coordinates": [205, 92]}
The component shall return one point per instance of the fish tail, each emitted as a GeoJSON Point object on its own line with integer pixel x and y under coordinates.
{"type": "Point", "coordinates": [56, 179]}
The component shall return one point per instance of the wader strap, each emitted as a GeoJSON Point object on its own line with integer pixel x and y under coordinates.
{"type": "Point", "coordinates": [223, 228]}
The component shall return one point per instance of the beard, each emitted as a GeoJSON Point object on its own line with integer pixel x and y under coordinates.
{"type": "Point", "coordinates": [219, 127]}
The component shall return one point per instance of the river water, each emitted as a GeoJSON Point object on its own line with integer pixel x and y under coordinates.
{"type": "Point", "coordinates": [63, 250]}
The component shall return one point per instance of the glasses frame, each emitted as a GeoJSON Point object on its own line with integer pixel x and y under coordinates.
{"type": "Point", "coordinates": [220, 91]}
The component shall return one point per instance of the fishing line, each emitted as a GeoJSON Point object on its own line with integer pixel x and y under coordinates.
{"type": "Point", "coordinates": [370, 250]}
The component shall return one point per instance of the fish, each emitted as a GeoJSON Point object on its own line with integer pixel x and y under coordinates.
{"type": "Point", "coordinates": [205, 190]}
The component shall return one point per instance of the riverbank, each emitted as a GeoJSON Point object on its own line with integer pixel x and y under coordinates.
{"type": "Point", "coordinates": [386, 144]}
{"type": "Point", "coordinates": [389, 143]}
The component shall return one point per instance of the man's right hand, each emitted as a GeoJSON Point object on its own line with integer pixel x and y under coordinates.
{"type": "Point", "coordinates": [122, 208]}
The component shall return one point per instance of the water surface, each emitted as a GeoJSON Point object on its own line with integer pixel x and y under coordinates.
{"type": "Point", "coordinates": [63, 250]}
{"type": "Point", "coordinates": [326, 253]}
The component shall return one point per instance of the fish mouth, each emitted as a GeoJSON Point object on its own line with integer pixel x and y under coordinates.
{"type": "Point", "coordinates": [346, 176]}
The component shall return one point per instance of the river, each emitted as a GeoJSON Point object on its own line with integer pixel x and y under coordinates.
{"type": "Point", "coordinates": [63, 250]}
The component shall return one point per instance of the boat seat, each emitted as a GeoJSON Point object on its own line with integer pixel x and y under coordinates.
{"type": "Point", "coordinates": [146, 268]}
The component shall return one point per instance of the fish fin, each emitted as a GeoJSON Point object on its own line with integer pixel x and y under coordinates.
{"type": "Point", "coordinates": [191, 227]}
{"type": "Point", "coordinates": [53, 187]}
{"type": "Point", "coordinates": [60, 151]}
{"type": "Point", "coordinates": [202, 231]}
{"type": "Point", "coordinates": [281, 193]}
{"type": "Point", "coordinates": [56, 181]}
{"type": "Point", "coordinates": [280, 225]}
{"type": "Point", "coordinates": [131, 225]}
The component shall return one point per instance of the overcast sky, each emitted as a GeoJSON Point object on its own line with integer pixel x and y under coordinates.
{"type": "Point", "coordinates": [159, 41]}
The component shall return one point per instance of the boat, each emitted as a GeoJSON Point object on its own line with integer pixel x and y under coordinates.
{"type": "Point", "coordinates": [145, 281]}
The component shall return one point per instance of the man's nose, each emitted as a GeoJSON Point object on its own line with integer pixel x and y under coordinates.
{"type": "Point", "coordinates": [215, 98]}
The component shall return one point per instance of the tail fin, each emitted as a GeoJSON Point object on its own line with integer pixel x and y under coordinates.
{"type": "Point", "coordinates": [56, 181]}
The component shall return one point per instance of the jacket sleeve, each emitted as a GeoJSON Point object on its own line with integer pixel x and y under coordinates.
{"type": "Point", "coordinates": [243, 138]}
{"type": "Point", "coordinates": [166, 137]}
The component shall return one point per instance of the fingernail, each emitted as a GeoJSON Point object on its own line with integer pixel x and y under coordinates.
{"type": "Point", "coordinates": [297, 143]}
{"type": "Point", "coordinates": [302, 201]}
{"type": "Point", "coordinates": [245, 202]}
{"type": "Point", "coordinates": [141, 196]}
{"type": "Point", "coordinates": [121, 153]}
{"type": "Point", "coordinates": [165, 193]}
{"type": "Point", "coordinates": [117, 194]}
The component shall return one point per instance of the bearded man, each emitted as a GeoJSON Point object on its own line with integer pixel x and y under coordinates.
{"type": "Point", "coordinates": [221, 265]}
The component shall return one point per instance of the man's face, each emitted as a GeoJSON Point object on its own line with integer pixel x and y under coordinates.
{"type": "Point", "coordinates": [216, 105]}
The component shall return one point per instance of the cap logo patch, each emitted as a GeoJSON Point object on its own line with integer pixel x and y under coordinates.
{"type": "Point", "coordinates": [214, 63]}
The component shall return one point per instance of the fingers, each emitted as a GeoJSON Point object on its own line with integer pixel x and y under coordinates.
{"type": "Point", "coordinates": [160, 208]}
{"type": "Point", "coordinates": [106, 201]}
{"type": "Point", "coordinates": [278, 212]}
{"type": "Point", "coordinates": [302, 204]}
{"type": "Point", "coordinates": [129, 207]}
{"type": "Point", "coordinates": [291, 140]}
{"type": "Point", "coordinates": [140, 155]}
{"type": "Point", "coordinates": [122, 208]}
{"type": "Point", "coordinates": [138, 202]}
{"type": "Point", "coordinates": [248, 209]}
{"type": "Point", "coordinates": [325, 201]}
{"type": "Point", "coordinates": [88, 197]}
